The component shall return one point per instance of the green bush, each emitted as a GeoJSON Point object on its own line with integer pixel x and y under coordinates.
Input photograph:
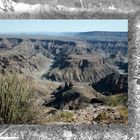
{"type": "Point", "coordinates": [116, 100]}
{"type": "Point", "coordinates": [123, 111]}
{"type": "Point", "coordinates": [16, 100]}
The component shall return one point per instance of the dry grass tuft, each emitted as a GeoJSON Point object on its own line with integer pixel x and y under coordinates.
{"type": "Point", "coordinates": [16, 99]}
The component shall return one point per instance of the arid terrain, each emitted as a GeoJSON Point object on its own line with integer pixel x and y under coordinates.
{"type": "Point", "coordinates": [76, 77]}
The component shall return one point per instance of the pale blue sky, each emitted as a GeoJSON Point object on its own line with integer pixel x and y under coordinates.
{"type": "Point", "coordinates": [32, 26]}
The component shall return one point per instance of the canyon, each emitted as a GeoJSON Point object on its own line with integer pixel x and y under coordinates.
{"type": "Point", "coordinates": [70, 70]}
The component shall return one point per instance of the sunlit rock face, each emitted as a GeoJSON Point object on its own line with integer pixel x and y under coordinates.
{"type": "Point", "coordinates": [83, 57]}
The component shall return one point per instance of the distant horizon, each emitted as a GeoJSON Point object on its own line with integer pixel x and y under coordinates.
{"type": "Point", "coordinates": [58, 32]}
{"type": "Point", "coordinates": [62, 26]}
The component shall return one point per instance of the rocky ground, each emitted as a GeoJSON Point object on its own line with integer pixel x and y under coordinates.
{"type": "Point", "coordinates": [92, 114]}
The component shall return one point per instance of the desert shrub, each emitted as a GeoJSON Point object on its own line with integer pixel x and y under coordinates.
{"type": "Point", "coordinates": [16, 100]}
{"type": "Point", "coordinates": [123, 111]}
{"type": "Point", "coordinates": [103, 116]}
{"type": "Point", "coordinates": [116, 100]}
{"type": "Point", "coordinates": [62, 116]}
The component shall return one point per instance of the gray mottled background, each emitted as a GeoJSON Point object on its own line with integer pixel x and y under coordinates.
{"type": "Point", "coordinates": [79, 9]}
